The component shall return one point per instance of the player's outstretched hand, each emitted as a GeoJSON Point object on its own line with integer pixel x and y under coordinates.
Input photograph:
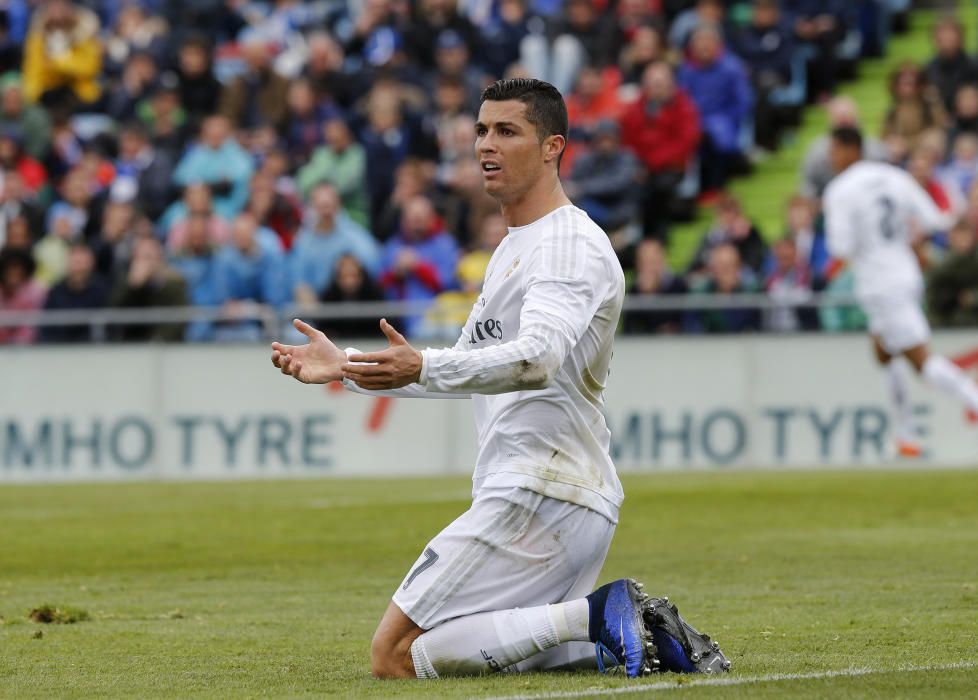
{"type": "Point", "coordinates": [397, 366]}
{"type": "Point", "coordinates": [317, 362]}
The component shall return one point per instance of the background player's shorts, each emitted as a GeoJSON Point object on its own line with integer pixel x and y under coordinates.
{"type": "Point", "coordinates": [898, 321]}
{"type": "Point", "coordinates": [512, 548]}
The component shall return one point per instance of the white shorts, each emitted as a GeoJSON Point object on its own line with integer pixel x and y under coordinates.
{"type": "Point", "coordinates": [512, 548]}
{"type": "Point", "coordinates": [898, 322]}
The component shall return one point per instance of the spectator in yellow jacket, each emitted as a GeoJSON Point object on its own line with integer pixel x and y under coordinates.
{"type": "Point", "coordinates": [62, 55]}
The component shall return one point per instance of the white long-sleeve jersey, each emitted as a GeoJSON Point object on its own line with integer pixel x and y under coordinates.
{"type": "Point", "coordinates": [869, 209]}
{"type": "Point", "coordinates": [534, 355]}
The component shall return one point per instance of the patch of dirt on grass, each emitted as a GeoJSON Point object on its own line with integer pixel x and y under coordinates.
{"type": "Point", "coordinates": [51, 614]}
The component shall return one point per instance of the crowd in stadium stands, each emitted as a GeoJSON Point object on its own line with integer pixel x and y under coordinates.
{"type": "Point", "coordinates": [219, 152]}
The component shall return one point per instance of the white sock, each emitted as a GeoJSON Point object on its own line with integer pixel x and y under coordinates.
{"type": "Point", "coordinates": [492, 641]}
{"type": "Point", "coordinates": [947, 376]}
{"type": "Point", "coordinates": [896, 384]}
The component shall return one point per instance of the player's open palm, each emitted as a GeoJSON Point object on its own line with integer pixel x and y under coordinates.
{"type": "Point", "coordinates": [317, 362]}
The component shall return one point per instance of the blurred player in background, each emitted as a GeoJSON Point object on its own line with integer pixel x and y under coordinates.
{"type": "Point", "coordinates": [872, 213]}
{"type": "Point", "coordinates": [508, 584]}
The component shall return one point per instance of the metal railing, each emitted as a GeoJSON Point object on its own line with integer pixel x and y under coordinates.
{"type": "Point", "coordinates": [273, 319]}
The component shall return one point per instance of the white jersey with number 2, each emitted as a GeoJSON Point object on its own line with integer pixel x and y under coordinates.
{"type": "Point", "coordinates": [870, 209]}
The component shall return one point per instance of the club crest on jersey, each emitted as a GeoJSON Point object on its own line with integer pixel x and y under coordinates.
{"type": "Point", "coordinates": [512, 268]}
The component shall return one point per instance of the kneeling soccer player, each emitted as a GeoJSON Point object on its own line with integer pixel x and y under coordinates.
{"type": "Point", "coordinates": [509, 584]}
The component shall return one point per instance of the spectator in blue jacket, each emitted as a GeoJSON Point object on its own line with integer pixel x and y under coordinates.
{"type": "Point", "coordinates": [767, 47]}
{"type": "Point", "coordinates": [219, 161]}
{"type": "Point", "coordinates": [718, 84]}
{"type": "Point", "coordinates": [327, 234]}
{"type": "Point", "coordinates": [419, 261]}
{"type": "Point", "coordinates": [822, 25]}
{"type": "Point", "coordinates": [196, 261]}
{"type": "Point", "coordinates": [251, 268]}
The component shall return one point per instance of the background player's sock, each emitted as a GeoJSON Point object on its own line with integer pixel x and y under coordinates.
{"type": "Point", "coordinates": [492, 641]}
{"type": "Point", "coordinates": [946, 375]}
{"type": "Point", "coordinates": [896, 385]}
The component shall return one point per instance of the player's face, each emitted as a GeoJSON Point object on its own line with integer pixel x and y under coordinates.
{"type": "Point", "coordinates": [508, 149]}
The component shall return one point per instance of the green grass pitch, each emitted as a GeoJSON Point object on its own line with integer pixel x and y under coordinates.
{"type": "Point", "coordinates": [273, 589]}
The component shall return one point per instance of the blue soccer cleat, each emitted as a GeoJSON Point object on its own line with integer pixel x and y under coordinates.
{"type": "Point", "coordinates": [617, 629]}
{"type": "Point", "coordinates": [679, 647]}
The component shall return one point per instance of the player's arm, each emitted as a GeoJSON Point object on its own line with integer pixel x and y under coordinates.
{"type": "Point", "coordinates": [398, 345]}
{"type": "Point", "coordinates": [413, 390]}
{"type": "Point", "coordinates": [559, 302]}
{"type": "Point", "coordinates": [930, 218]}
{"type": "Point", "coordinates": [840, 234]}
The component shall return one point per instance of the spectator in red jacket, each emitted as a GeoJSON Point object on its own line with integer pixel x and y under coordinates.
{"type": "Point", "coordinates": [594, 99]}
{"type": "Point", "coordinates": [662, 128]}
{"type": "Point", "coordinates": [13, 157]}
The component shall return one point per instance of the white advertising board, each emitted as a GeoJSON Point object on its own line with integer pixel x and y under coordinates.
{"type": "Point", "coordinates": [213, 412]}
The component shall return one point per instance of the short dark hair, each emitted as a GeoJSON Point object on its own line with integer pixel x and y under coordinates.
{"type": "Point", "coordinates": [848, 136]}
{"type": "Point", "coordinates": [545, 107]}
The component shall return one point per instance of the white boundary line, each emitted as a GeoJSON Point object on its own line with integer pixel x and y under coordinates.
{"type": "Point", "coordinates": [640, 687]}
